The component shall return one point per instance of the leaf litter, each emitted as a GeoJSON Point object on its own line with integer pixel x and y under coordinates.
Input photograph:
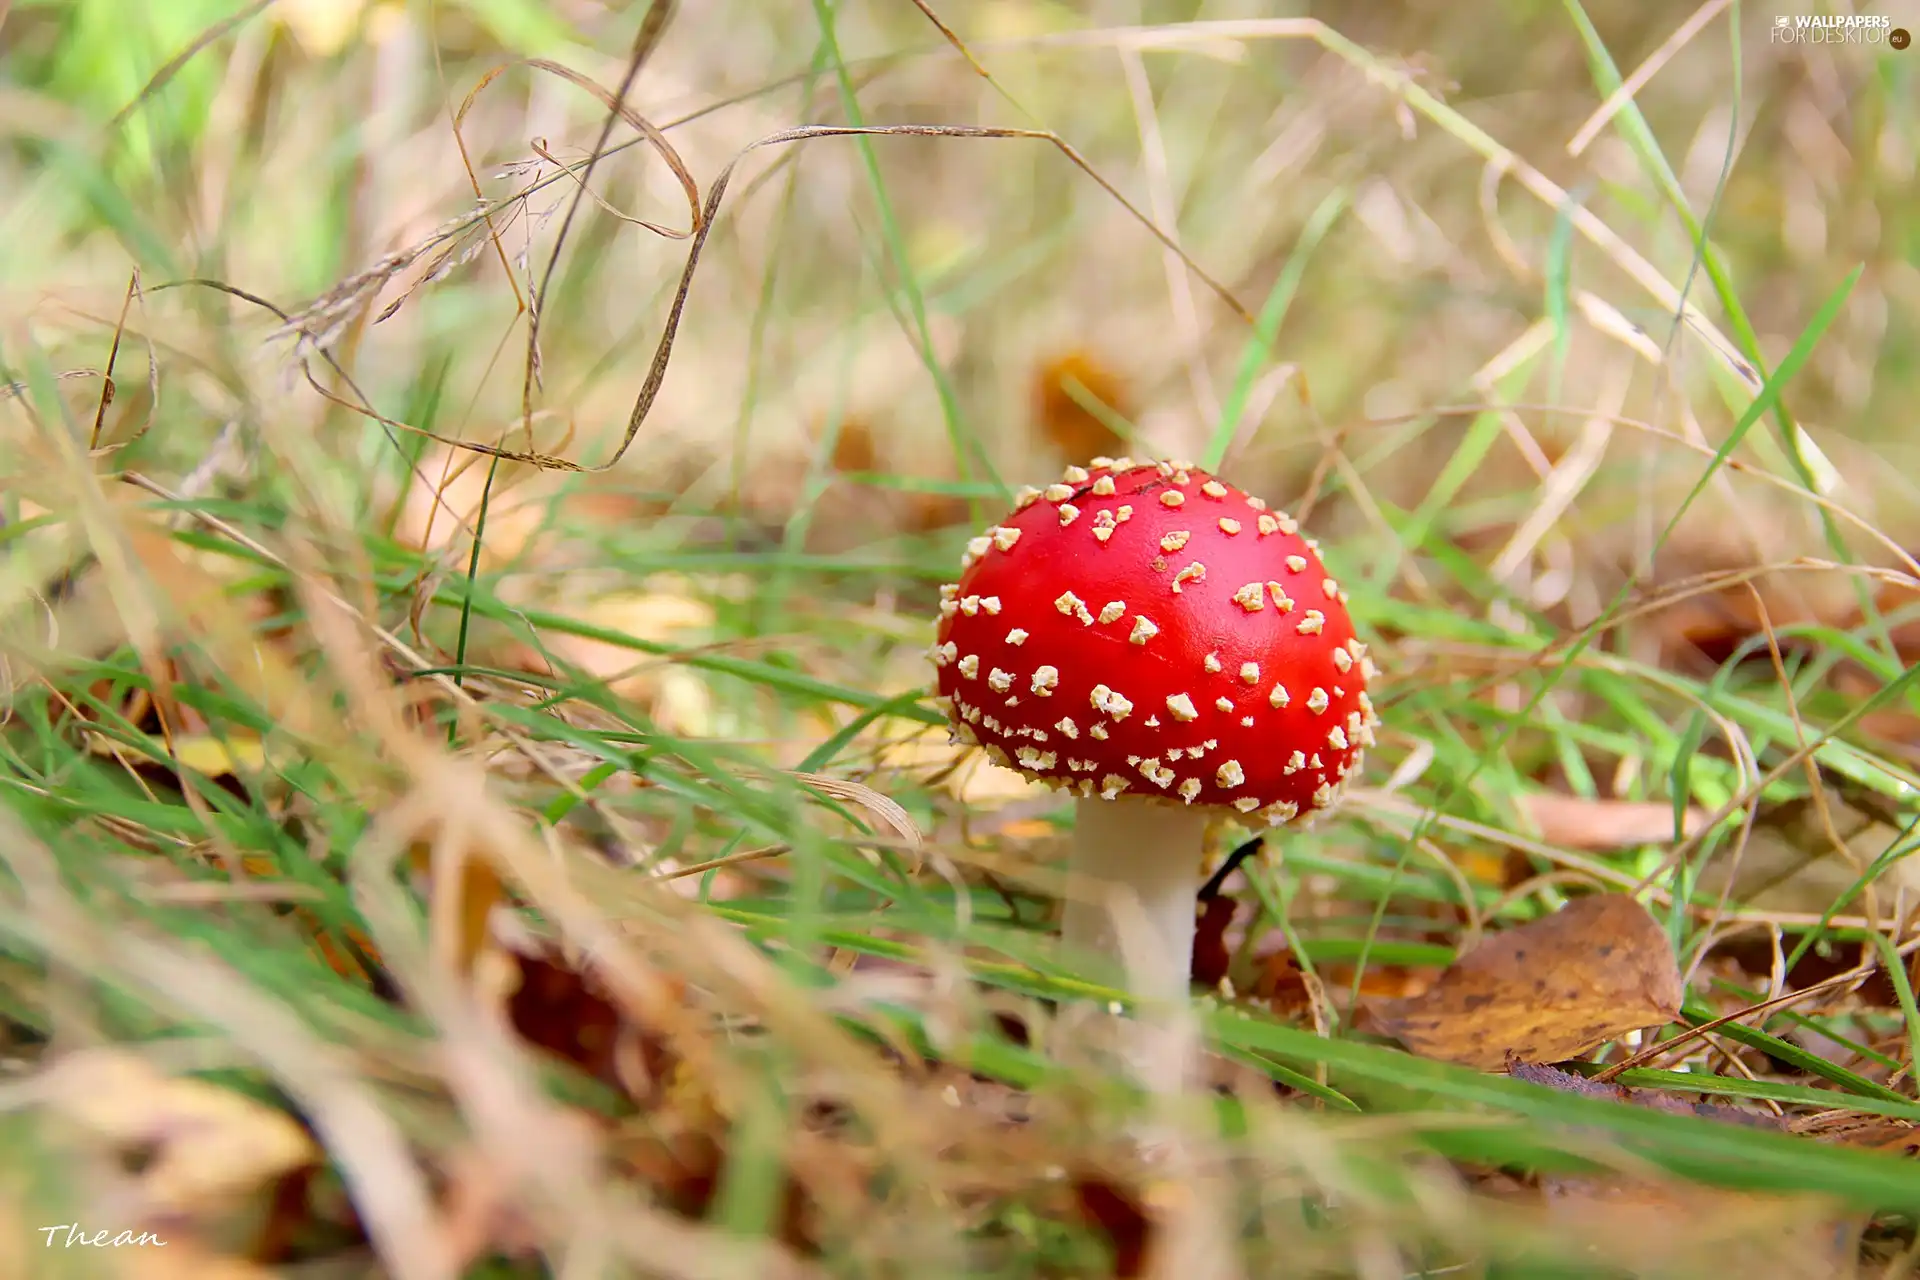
{"type": "Point", "coordinates": [1545, 991]}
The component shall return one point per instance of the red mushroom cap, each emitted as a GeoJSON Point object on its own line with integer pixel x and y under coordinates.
{"type": "Point", "coordinates": [1144, 629]}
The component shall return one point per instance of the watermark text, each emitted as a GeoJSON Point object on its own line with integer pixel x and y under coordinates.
{"type": "Point", "coordinates": [69, 1235]}
{"type": "Point", "coordinates": [1851, 28]}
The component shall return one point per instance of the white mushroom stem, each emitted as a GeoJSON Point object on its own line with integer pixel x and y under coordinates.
{"type": "Point", "coordinates": [1136, 867]}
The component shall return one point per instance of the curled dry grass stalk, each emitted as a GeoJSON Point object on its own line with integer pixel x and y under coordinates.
{"type": "Point", "coordinates": [609, 902]}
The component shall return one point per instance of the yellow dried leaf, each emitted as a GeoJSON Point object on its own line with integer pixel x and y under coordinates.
{"type": "Point", "coordinates": [657, 618]}
{"type": "Point", "coordinates": [181, 1260]}
{"type": "Point", "coordinates": [442, 505]}
{"type": "Point", "coordinates": [322, 27]}
{"type": "Point", "coordinates": [207, 1144]}
{"type": "Point", "coordinates": [1545, 991]}
{"type": "Point", "coordinates": [203, 753]}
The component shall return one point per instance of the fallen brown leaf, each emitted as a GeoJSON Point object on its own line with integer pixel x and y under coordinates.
{"type": "Point", "coordinates": [853, 449]}
{"type": "Point", "coordinates": [680, 1153]}
{"type": "Point", "coordinates": [1118, 1215]}
{"type": "Point", "coordinates": [1875, 1133]}
{"type": "Point", "coordinates": [1060, 417]}
{"type": "Point", "coordinates": [1545, 991]}
{"type": "Point", "coordinates": [557, 1008]}
{"type": "Point", "coordinates": [1282, 984]}
{"type": "Point", "coordinates": [1573, 822]}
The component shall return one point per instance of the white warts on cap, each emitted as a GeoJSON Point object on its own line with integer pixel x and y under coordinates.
{"type": "Point", "coordinates": [1182, 707]}
{"type": "Point", "coordinates": [1247, 804]}
{"type": "Point", "coordinates": [1111, 786]}
{"type": "Point", "coordinates": [999, 681]}
{"type": "Point", "coordinates": [1280, 811]}
{"type": "Point", "coordinates": [1250, 672]}
{"type": "Point", "coordinates": [1297, 564]}
{"type": "Point", "coordinates": [1332, 589]}
{"type": "Point", "coordinates": [969, 665]}
{"type": "Point", "coordinates": [1281, 601]}
{"type": "Point", "coordinates": [1317, 701]}
{"type": "Point", "coordinates": [1223, 704]}
{"type": "Point", "coordinates": [1229, 527]}
{"type": "Point", "coordinates": [1017, 637]}
{"type": "Point", "coordinates": [1249, 598]}
{"type": "Point", "coordinates": [1212, 664]}
{"type": "Point", "coordinates": [1194, 572]}
{"type": "Point", "coordinates": [1074, 607]}
{"type": "Point", "coordinates": [1068, 727]}
{"type": "Point", "coordinates": [1229, 774]}
{"type": "Point", "coordinates": [1057, 492]}
{"type": "Point", "coordinates": [1267, 525]}
{"type": "Point", "coordinates": [1113, 611]}
{"type": "Point", "coordinates": [1312, 624]}
{"type": "Point", "coordinates": [1214, 489]}
{"type": "Point", "coordinates": [1172, 498]}
{"type": "Point", "coordinates": [1075, 475]}
{"type": "Point", "coordinates": [1068, 514]}
{"type": "Point", "coordinates": [1143, 630]}
{"type": "Point", "coordinates": [1103, 487]}
{"type": "Point", "coordinates": [1337, 738]}
{"type": "Point", "coordinates": [1342, 661]}
{"type": "Point", "coordinates": [1190, 790]}
{"type": "Point", "coordinates": [1045, 679]}
{"type": "Point", "coordinates": [1279, 697]}
{"type": "Point", "coordinates": [1171, 542]}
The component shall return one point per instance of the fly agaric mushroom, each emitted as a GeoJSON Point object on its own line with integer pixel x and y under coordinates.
{"type": "Point", "coordinates": [1164, 646]}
